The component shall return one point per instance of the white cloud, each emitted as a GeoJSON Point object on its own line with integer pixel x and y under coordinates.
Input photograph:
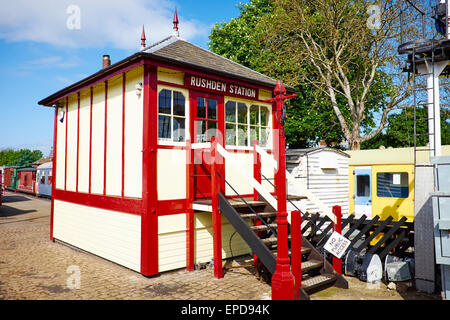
{"type": "Point", "coordinates": [102, 23]}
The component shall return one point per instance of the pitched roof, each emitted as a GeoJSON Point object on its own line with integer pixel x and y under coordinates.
{"type": "Point", "coordinates": [179, 50]}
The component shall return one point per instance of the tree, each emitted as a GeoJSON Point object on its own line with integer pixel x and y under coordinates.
{"type": "Point", "coordinates": [308, 117]}
{"type": "Point", "coordinates": [344, 58]}
{"type": "Point", "coordinates": [400, 130]}
{"type": "Point", "coordinates": [20, 158]}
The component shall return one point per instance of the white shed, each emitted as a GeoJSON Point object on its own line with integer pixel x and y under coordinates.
{"type": "Point", "coordinates": [324, 172]}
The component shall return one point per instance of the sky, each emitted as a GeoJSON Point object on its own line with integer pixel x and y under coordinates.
{"type": "Point", "coordinates": [47, 45]}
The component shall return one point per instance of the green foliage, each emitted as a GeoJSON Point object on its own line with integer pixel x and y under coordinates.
{"type": "Point", "coordinates": [21, 158]}
{"type": "Point", "coordinates": [310, 117]}
{"type": "Point", "coordinates": [400, 130]}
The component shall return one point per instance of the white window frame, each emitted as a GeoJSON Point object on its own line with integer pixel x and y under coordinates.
{"type": "Point", "coordinates": [248, 104]}
{"type": "Point", "coordinates": [185, 93]}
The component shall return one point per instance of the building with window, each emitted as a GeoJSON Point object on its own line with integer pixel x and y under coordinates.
{"type": "Point", "coordinates": [381, 182]}
{"type": "Point", "coordinates": [124, 184]}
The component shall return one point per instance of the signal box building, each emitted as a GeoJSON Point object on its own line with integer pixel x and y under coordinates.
{"type": "Point", "coordinates": [124, 187]}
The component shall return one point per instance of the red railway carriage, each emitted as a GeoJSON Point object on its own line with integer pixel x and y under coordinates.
{"type": "Point", "coordinates": [1, 187]}
{"type": "Point", "coordinates": [26, 180]}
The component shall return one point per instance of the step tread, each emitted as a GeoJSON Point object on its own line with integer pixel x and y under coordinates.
{"type": "Point", "coordinates": [303, 251]}
{"type": "Point", "coordinates": [261, 214]}
{"type": "Point", "coordinates": [263, 227]}
{"type": "Point", "coordinates": [317, 281]}
{"type": "Point", "coordinates": [311, 264]}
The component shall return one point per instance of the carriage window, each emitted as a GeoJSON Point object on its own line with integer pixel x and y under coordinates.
{"type": "Point", "coordinates": [49, 180]}
{"type": "Point", "coordinates": [171, 115]}
{"type": "Point", "coordinates": [392, 184]}
{"type": "Point", "coordinates": [244, 124]}
{"type": "Point", "coordinates": [43, 179]}
{"type": "Point", "coordinates": [362, 185]}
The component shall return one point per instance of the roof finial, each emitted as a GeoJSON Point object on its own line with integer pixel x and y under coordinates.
{"type": "Point", "coordinates": [143, 38]}
{"type": "Point", "coordinates": [175, 24]}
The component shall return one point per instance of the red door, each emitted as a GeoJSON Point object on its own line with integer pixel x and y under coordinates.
{"type": "Point", "coordinates": [207, 120]}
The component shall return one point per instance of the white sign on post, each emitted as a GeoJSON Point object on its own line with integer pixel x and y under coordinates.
{"type": "Point", "coordinates": [337, 244]}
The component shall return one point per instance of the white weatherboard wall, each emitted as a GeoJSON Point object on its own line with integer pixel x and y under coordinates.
{"type": "Point", "coordinates": [84, 141]}
{"type": "Point", "coordinates": [171, 171]}
{"type": "Point", "coordinates": [241, 183]}
{"type": "Point", "coordinates": [204, 239]}
{"type": "Point", "coordinates": [171, 242]}
{"type": "Point", "coordinates": [133, 134]}
{"type": "Point", "coordinates": [114, 137]}
{"type": "Point", "coordinates": [98, 139]}
{"type": "Point", "coordinates": [72, 129]}
{"type": "Point", "coordinates": [326, 173]}
{"type": "Point", "coordinates": [60, 149]}
{"type": "Point", "coordinates": [109, 234]}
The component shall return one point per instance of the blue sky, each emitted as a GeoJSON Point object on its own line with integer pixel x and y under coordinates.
{"type": "Point", "coordinates": [43, 49]}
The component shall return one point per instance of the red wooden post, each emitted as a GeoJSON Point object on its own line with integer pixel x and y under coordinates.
{"type": "Point", "coordinates": [296, 252]}
{"type": "Point", "coordinates": [337, 227]}
{"type": "Point", "coordinates": [217, 227]}
{"type": "Point", "coordinates": [282, 279]}
{"type": "Point", "coordinates": [190, 214]}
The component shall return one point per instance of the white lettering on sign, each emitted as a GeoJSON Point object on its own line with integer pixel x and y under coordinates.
{"type": "Point", "coordinates": [221, 87]}
{"type": "Point", "coordinates": [336, 245]}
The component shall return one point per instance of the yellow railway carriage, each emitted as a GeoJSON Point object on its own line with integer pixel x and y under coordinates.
{"type": "Point", "coordinates": [381, 182]}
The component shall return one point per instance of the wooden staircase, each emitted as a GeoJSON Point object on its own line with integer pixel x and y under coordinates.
{"type": "Point", "coordinates": [255, 221]}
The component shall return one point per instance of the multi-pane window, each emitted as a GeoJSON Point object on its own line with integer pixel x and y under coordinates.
{"type": "Point", "coordinates": [392, 184]}
{"type": "Point", "coordinates": [171, 115]}
{"type": "Point", "coordinates": [244, 124]}
{"type": "Point", "coordinates": [206, 124]}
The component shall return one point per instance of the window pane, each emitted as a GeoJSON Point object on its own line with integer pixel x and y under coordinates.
{"type": "Point", "coordinates": [164, 127]}
{"type": "Point", "coordinates": [254, 134]}
{"type": "Point", "coordinates": [178, 104]}
{"type": "Point", "coordinates": [178, 129]}
{"type": "Point", "coordinates": [254, 115]}
{"type": "Point", "coordinates": [265, 133]}
{"type": "Point", "coordinates": [201, 131]}
{"type": "Point", "coordinates": [392, 184]}
{"type": "Point", "coordinates": [363, 186]}
{"type": "Point", "coordinates": [164, 101]}
{"type": "Point", "coordinates": [242, 136]}
{"type": "Point", "coordinates": [201, 108]}
{"type": "Point", "coordinates": [212, 129]}
{"type": "Point", "coordinates": [230, 111]}
{"type": "Point", "coordinates": [212, 109]}
{"type": "Point", "coordinates": [230, 134]}
{"type": "Point", "coordinates": [242, 113]}
{"type": "Point", "coordinates": [264, 116]}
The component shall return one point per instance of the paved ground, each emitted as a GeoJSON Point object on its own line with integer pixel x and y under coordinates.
{"type": "Point", "coordinates": [33, 267]}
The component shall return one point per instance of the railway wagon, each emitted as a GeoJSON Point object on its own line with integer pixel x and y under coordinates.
{"type": "Point", "coordinates": [10, 178]}
{"type": "Point", "coordinates": [381, 182]}
{"type": "Point", "coordinates": [26, 180]}
{"type": "Point", "coordinates": [44, 180]}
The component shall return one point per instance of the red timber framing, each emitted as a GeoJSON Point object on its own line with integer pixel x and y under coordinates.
{"type": "Point", "coordinates": [149, 220]}
{"type": "Point", "coordinates": [148, 207]}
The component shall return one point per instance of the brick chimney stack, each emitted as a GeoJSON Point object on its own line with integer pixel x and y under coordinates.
{"type": "Point", "coordinates": [106, 61]}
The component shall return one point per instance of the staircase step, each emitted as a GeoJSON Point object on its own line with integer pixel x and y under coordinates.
{"type": "Point", "coordinates": [293, 197]}
{"type": "Point", "coordinates": [272, 240]}
{"type": "Point", "coordinates": [263, 227]}
{"type": "Point", "coordinates": [318, 281]}
{"type": "Point", "coordinates": [238, 203]}
{"type": "Point", "coordinates": [261, 214]}
{"type": "Point", "coordinates": [310, 265]}
{"type": "Point", "coordinates": [304, 251]}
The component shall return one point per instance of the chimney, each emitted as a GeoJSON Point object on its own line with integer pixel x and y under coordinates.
{"type": "Point", "coordinates": [106, 61]}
